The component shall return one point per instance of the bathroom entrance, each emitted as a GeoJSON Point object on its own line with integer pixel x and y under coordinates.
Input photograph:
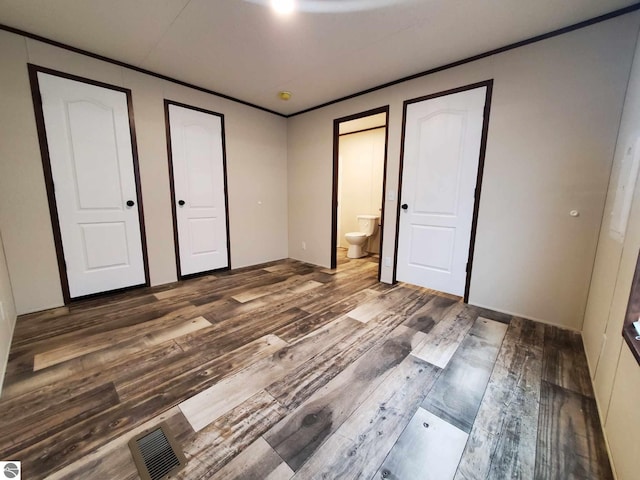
{"type": "Point", "coordinates": [359, 161]}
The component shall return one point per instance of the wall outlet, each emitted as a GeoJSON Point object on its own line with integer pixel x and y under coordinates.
{"type": "Point", "coordinates": [387, 261]}
{"type": "Point", "coordinates": [304, 245]}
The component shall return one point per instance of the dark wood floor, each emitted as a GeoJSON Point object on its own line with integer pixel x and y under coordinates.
{"type": "Point", "coordinates": [286, 370]}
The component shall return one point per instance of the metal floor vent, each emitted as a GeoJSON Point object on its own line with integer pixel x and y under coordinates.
{"type": "Point", "coordinates": [157, 454]}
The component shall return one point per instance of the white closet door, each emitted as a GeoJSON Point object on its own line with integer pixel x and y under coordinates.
{"type": "Point", "coordinates": [91, 158]}
{"type": "Point", "coordinates": [197, 161]}
{"type": "Point", "coordinates": [440, 168]}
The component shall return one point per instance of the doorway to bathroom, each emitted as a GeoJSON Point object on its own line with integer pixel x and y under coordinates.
{"type": "Point", "coordinates": [359, 166]}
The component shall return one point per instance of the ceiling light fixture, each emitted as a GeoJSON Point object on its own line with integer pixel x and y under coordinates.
{"type": "Point", "coordinates": [329, 6]}
{"type": "Point", "coordinates": [284, 95]}
{"type": "Point", "coordinates": [283, 7]}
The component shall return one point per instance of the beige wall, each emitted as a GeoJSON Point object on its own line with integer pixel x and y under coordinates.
{"type": "Point", "coordinates": [623, 422]}
{"type": "Point", "coordinates": [554, 118]}
{"type": "Point", "coordinates": [7, 314]}
{"type": "Point", "coordinates": [616, 374]}
{"type": "Point", "coordinates": [361, 162]}
{"type": "Point", "coordinates": [256, 163]}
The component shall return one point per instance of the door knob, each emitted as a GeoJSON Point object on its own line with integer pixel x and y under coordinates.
{"type": "Point", "coordinates": [404, 206]}
{"type": "Point", "coordinates": [181, 202]}
{"type": "Point", "coordinates": [130, 203]}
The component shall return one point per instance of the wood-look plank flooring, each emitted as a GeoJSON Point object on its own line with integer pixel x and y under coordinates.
{"type": "Point", "coordinates": [286, 370]}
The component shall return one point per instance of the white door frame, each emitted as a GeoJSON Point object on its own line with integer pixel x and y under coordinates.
{"type": "Point", "coordinates": [48, 176]}
{"type": "Point", "coordinates": [483, 147]}
{"type": "Point", "coordinates": [174, 200]}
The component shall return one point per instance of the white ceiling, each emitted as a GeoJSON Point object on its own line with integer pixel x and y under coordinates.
{"type": "Point", "coordinates": [363, 123]}
{"type": "Point", "coordinates": [242, 49]}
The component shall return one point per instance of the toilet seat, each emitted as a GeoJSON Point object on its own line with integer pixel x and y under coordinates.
{"type": "Point", "coordinates": [355, 235]}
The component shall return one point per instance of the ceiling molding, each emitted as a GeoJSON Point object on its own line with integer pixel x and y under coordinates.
{"type": "Point", "coordinates": [522, 43]}
{"type": "Point", "coordinates": [538, 38]}
{"type": "Point", "coordinates": [97, 56]}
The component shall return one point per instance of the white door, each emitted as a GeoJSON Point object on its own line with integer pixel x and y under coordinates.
{"type": "Point", "coordinates": [197, 161]}
{"type": "Point", "coordinates": [91, 158]}
{"type": "Point", "coordinates": [440, 167]}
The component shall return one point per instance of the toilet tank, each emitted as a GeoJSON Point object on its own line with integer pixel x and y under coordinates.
{"type": "Point", "coordinates": [368, 224]}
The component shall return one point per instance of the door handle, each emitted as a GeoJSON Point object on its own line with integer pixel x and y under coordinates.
{"type": "Point", "coordinates": [130, 203]}
{"type": "Point", "coordinates": [404, 206]}
{"type": "Point", "coordinates": [181, 202]}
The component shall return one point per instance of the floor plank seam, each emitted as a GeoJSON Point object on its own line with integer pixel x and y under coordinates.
{"type": "Point", "coordinates": [362, 382]}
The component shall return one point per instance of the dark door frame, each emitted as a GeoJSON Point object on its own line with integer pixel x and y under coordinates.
{"type": "Point", "coordinates": [48, 176]}
{"type": "Point", "coordinates": [173, 191]}
{"type": "Point", "coordinates": [334, 194]}
{"type": "Point", "coordinates": [478, 190]}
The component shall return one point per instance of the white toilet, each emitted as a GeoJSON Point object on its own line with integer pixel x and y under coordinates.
{"type": "Point", "coordinates": [368, 225]}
